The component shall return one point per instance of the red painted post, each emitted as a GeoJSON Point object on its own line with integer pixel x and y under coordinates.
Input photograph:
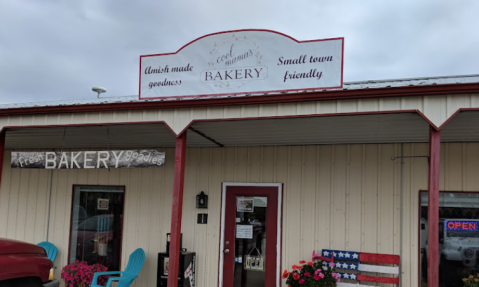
{"type": "Point", "coordinates": [177, 211]}
{"type": "Point", "coordinates": [433, 208]}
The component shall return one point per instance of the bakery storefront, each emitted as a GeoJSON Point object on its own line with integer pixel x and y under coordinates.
{"type": "Point", "coordinates": [247, 149]}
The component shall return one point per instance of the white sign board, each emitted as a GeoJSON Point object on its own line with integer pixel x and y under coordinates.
{"type": "Point", "coordinates": [244, 231]}
{"type": "Point", "coordinates": [242, 62]}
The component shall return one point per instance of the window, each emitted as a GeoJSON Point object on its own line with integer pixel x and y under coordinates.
{"type": "Point", "coordinates": [96, 225]}
{"type": "Point", "coordinates": [458, 236]}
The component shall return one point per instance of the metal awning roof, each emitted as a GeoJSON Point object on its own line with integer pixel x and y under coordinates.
{"type": "Point", "coordinates": [313, 130]}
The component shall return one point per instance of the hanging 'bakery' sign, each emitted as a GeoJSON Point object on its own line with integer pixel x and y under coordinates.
{"type": "Point", "coordinates": [242, 62]}
{"type": "Point", "coordinates": [88, 159]}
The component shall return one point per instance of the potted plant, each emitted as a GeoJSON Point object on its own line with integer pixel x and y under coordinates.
{"type": "Point", "coordinates": [312, 274]}
{"type": "Point", "coordinates": [471, 281]}
{"type": "Point", "coordinates": [80, 274]}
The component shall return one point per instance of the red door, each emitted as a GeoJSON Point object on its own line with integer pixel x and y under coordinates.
{"type": "Point", "coordinates": [250, 240]}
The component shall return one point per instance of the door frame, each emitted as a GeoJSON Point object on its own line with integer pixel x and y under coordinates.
{"type": "Point", "coordinates": [279, 230]}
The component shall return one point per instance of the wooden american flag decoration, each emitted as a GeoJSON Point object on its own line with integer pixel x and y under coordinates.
{"type": "Point", "coordinates": [350, 264]}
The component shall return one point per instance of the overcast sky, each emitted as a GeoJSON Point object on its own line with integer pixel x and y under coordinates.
{"type": "Point", "coordinates": [58, 49]}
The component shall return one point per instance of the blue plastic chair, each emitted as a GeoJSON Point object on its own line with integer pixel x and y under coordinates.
{"type": "Point", "coordinates": [50, 249]}
{"type": "Point", "coordinates": [137, 258]}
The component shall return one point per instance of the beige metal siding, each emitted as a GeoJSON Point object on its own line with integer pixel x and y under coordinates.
{"type": "Point", "coordinates": [436, 108]}
{"type": "Point", "coordinates": [24, 208]}
{"type": "Point", "coordinates": [335, 196]}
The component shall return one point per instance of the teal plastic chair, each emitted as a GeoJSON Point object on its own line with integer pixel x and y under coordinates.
{"type": "Point", "coordinates": [50, 249]}
{"type": "Point", "coordinates": [137, 258]}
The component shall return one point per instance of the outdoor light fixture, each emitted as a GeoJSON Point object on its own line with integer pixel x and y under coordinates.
{"type": "Point", "coordinates": [202, 200]}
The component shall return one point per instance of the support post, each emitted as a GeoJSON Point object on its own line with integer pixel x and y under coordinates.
{"type": "Point", "coordinates": [177, 210]}
{"type": "Point", "coordinates": [2, 153]}
{"type": "Point", "coordinates": [433, 208]}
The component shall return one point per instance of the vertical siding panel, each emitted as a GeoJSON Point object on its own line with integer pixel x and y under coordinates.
{"type": "Point", "coordinates": [232, 112]}
{"type": "Point", "coordinates": [41, 208]}
{"type": "Point", "coordinates": [326, 107]}
{"type": "Point", "coordinates": [22, 204]}
{"type": "Point", "coordinates": [268, 110]}
{"type": "Point", "coordinates": [323, 197]}
{"type": "Point", "coordinates": [308, 199]}
{"type": "Point", "coordinates": [228, 164]}
{"type": "Point", "coordinates": [338, 197]}
{"type": "Point", "coordinates": [215, 113]}
{"type": "Point", "coordinates": [354, 198]}
{"type": "Point", "coordinates": [214, 211]}
{"type": "Point", "coordinates": [293, 185]}
{"type": "Point", "coordinates": [370, 199]}
{"type": "Point", "coordinates": [250, 111]}
{"type": "Point", "coordinates": [366, 105]}
{"type": "Point", "coordinates": [305, 109]}
{"type": "Point", "coordinates": [472, 166]}
{"type": "Point", "coordinates": [241, 164]}
{"type": "Point", "coordinates": [32, 197]}
{"type": "Point", "coordinates": [286, 109]}
{"type": "Point", "coordinates": [456, 102]}
{"type": "Point", "coordinates": [435, 109]}
{"type": "Point", "coordinates": [453, 165]}
{"type": "Point", "coordinates": [201, 229]}
{"type": "Point", "coordinates": [268, 164]}
{"type": "Point", "coordinates": [254, 164]}
{"type": "Point", "coordinates": [386, 197]}
{"type": "Point", "coordinates": [143, 217]}
{"type": "Point", "coordinates": [389, 104]}
{"type": "Point", "coordinates": [281, 174]}
{"type": "Point", "coordinates": [13, 203]}
{"type": "Point", "coordinates": [5, 191]}
{"type": "Point", "coordinates": [190, 188]}
{"type": "Point", "coordinates": [348, 106]}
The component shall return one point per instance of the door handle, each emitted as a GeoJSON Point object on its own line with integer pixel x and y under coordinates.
{"type": "Point", "coordinates": [226, 251]}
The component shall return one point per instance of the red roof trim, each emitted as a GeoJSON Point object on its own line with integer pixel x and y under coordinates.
{"type": "Point", "coordinates": [254, 100]}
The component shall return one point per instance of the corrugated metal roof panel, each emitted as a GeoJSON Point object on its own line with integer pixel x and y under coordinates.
{"type": "Point", "coordinates": [462, 79]}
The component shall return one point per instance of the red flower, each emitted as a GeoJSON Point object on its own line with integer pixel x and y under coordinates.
{"type": "Point", "coordinates": [296, 276]}
{"type": "Point", "coordinates": [301, 281]}
{"type": "Point", "coordinates": [285, 274]}
{"type": "Point", "coordinates": [296, 266]}
{"type": "Point", "coordinates": [307, 274]}
{"type": "Point", "coordinates": [310, 263]}
{"type": "Point", "coordinates": [302, 262]}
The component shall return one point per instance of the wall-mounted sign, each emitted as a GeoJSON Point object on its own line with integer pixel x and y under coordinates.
{"type": "Point", "coordinates": [461, 225]}
{"type": "Point", "coordinates": [88, 159]}
{"type": "Point", "coordinates": [245, 204]}
{"type": "Point", "coordinates": [242, 62]}
{"type": "Point", "coordinates": [102, 204]}
{"type": "Point", "coordinates": [244, 231]}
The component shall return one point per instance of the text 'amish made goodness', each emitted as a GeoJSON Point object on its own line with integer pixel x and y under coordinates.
{"type": "Point", "coordinates": [88, 159]}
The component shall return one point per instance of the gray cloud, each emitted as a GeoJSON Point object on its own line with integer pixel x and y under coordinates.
{"type": "Point", "coordinates": [57, 50]}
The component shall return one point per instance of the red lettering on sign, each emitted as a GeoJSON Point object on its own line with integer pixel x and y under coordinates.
{"type": "Point", "coordinates": [457, 224]}
{"type": "Point", "coordinates": [450, 225]}
{"type": "Point", "coordinates": [464, 226]}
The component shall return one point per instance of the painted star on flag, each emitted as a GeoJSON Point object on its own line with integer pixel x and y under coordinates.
{"type": "Point", "coordinates": [346, 276]}
{"type": "Point", "coordinates": [353, 276]}
{"type": "Point", "coordinates": [339, 275]}
{"type": "Point", "coordinates": [325, 253]}
{"type": "Point", "coordinates": [334, 254]}
{"type": "Point", "coordinates": [348, 255]}
{"type": "Point", "coordinates": [352, 266]}
{"type": "Point", "coordinates": [355, 256]}
{"type": "Point", "coordinates": [341, 254]}
{"type": "Point", "coordinates": [345, 265]}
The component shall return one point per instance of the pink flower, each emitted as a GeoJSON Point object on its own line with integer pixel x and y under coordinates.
{"type": "Point", "coordinates": [301, 281]}
{"type": "Point", "coordinates": [307, 274]}
{"type": "Point", "coordinates": [331, 264]}
{"type": "Point", "coordinates": [317, 278]}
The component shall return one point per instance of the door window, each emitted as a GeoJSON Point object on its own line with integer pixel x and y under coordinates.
{"type": "Point", "coordinates": [96, 226]}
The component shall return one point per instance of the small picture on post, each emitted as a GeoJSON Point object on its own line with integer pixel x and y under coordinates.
{"type": "Point", "coordinates": [166, 263]}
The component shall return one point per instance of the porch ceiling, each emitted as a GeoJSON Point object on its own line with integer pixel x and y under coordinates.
{"type": "Point", "coordinates": [377, 128]}
{"type": "Point", "coordinates": [113, 137]}
{"type": "Point", "coordinates": [464, 127]}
